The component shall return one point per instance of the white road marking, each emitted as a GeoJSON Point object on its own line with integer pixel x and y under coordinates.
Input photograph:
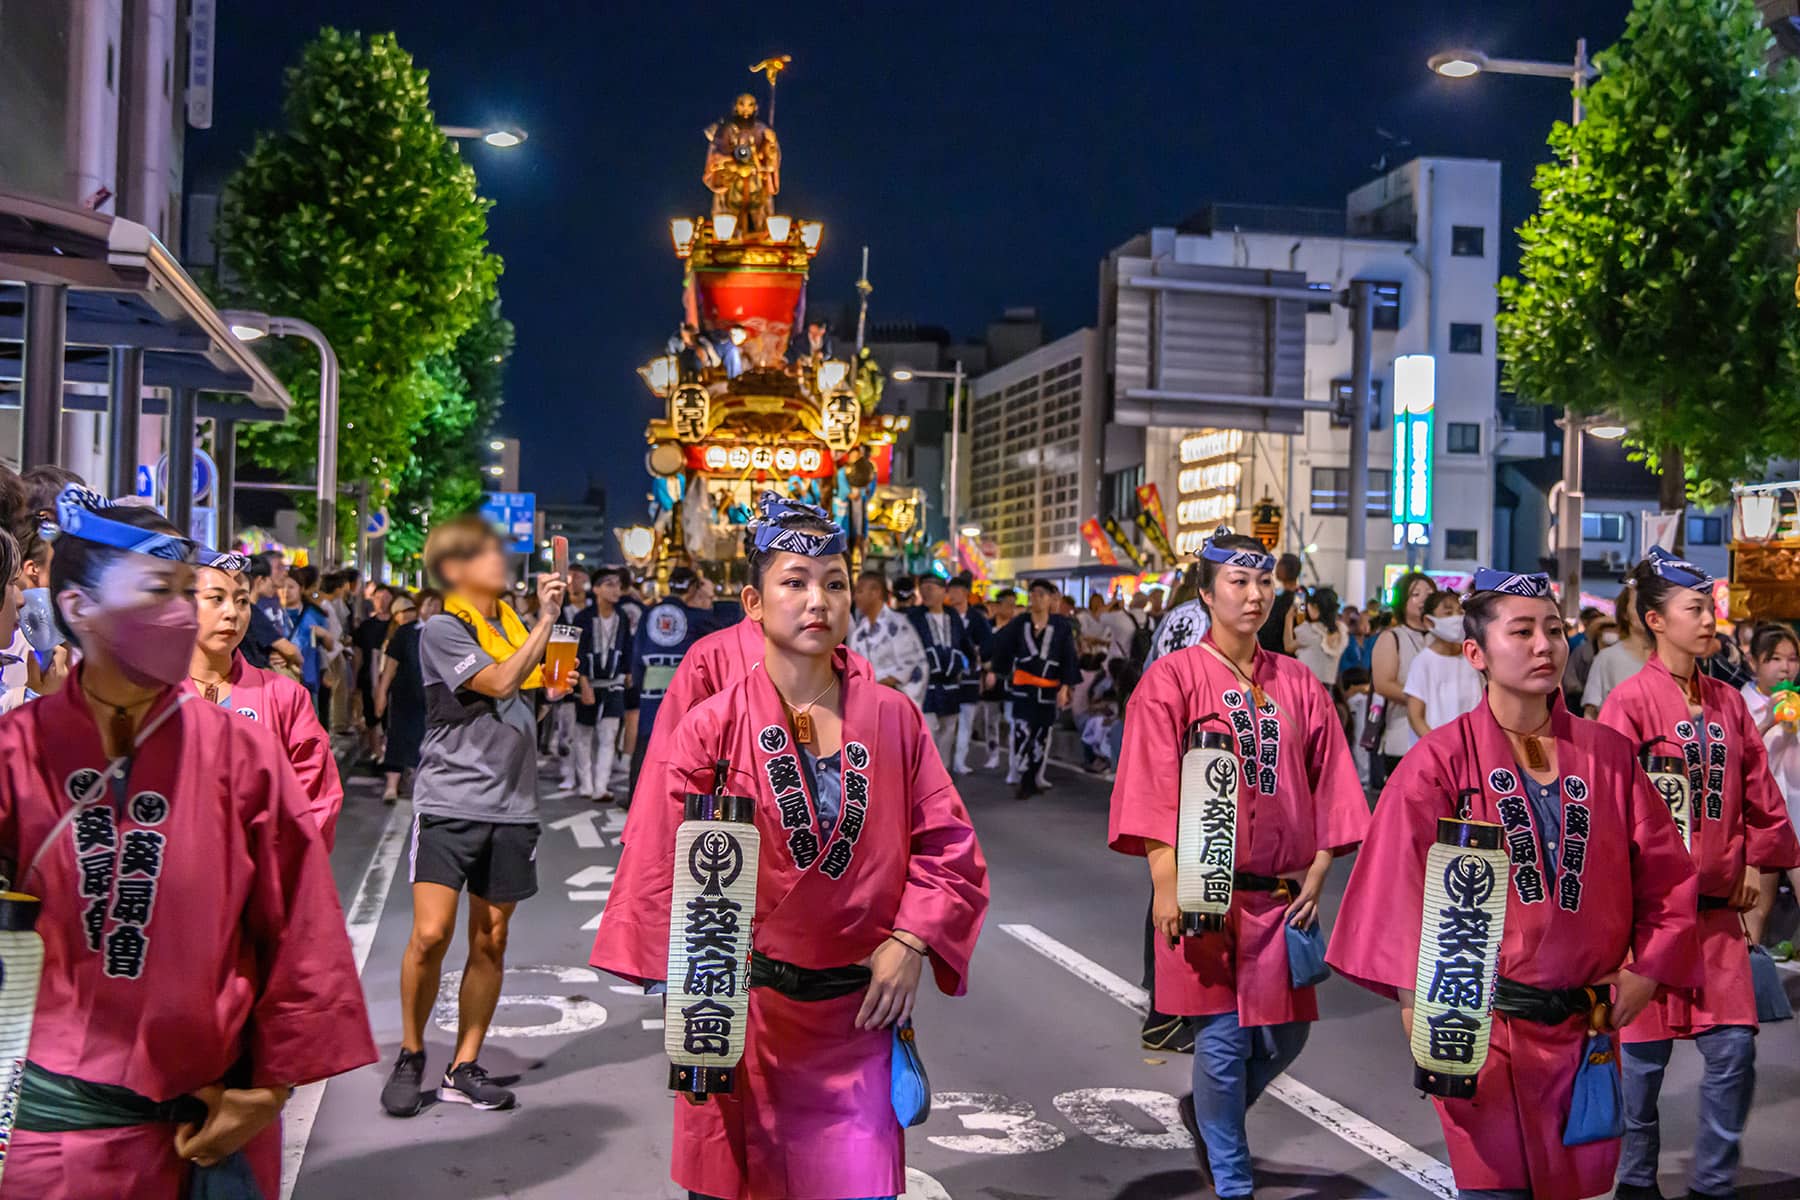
{"type": "Point", "coordinates": [589, 876]}
{"type": "Point", "coordinates": [361, 921]}
{"type": "Point", "coordinates": [583, 829]}
{"type": "Point", "coordinates": [1384, 1147]}
{"type": "Point", "coordinates": [574, 1014]}
{"type": "Point", "coordinates": [651, 1023]}
{"type": "Point", "coordinates": [585, 897]}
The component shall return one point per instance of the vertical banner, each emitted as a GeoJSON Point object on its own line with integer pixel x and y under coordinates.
{"type": "Point", "coordinates": [1114, 531]}
{"type": "Point", "coordinates": [1659, 529]}
{"type": "Point", "coordinates": [1150, 501]}
{"type": "Point", "coordinates": [1158, 538]}
{"type": "Point", "coordinates": [1096, 538]}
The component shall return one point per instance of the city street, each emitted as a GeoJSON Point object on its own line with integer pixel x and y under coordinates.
{"type": "Point", "coordinates": [1041, 1090]}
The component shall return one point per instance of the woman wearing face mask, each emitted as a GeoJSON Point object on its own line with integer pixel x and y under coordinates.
{"type": "Point", "coordinates": [1623, 653]}
{"type": "Point", "coordinates": [1299, 805]}
{"type": "Point", "coordinates": [196, 966]}
{"type": "Point", "coordinates": [1738, 828]}
{"type": "Point", "coordinates": [218, 674]}
{"type": "Point", "coordinates": [1775, 654]}
{"type": "Point", "coordinates": [1392, 659]}
{"type": "Point", "coordinates": [1441, 686]}
{"type": "Point", "coordinates": [869, 871]}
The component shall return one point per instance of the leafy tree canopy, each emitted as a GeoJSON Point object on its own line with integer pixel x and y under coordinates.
{"type": "Point", "coordinates": [1657, 277]}
{"type": "Point", "coordinates": [362, 218]}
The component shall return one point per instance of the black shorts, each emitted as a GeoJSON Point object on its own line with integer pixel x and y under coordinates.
{"type": "Point", "coordinates": [631, 698]}
{"type": "Point", "coordinates": [497, 862]}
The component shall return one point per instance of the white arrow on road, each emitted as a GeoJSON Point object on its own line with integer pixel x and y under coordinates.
{"type": "Point", "coordinates": [589, 876]}
{"type": "Point", "coordinates": [584, 827]}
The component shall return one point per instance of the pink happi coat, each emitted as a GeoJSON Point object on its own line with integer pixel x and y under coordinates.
{"type": "Point", "coordinates": [811, 1118]}
{"type": "Point", "coordinates": [1739, 819]}
{"type": "Point", "coordinates": [191, 932]}
{"type": "Point", "coordinates": [286, 710]}
{"type": "Point", "coordinates": [1297, 794]}
{"type": "Point", "coordinates": [1624, 889]}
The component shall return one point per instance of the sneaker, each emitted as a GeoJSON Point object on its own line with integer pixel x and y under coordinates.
{"type": "Point", "coordinates": [1637, 1191]}
{"type": "Point", "coordinates": [1172, 1035]}
{"type": "Point", "coordinates": [400, 1096]}
{"type": "Point", "coordinates": [963, 769]}
{"type": "Point", "coordinates": [993, 761]}
{"type": "Point", "coordinates": [1783, 952]}
{"type": "Point", "coordinates": [1191, 1122]}
{"type": "Point", "coordinates": [469, 1084]}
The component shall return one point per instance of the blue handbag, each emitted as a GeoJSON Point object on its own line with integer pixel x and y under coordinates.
{"type": "Point", "coordinates": [910, 1089]}
{"type": "Point", "coordinates": [1765, 979]}
{"type": "Point", "coordinates": [1306, 956]}
{"type": "Point", "coordinates": [1597, 1107]}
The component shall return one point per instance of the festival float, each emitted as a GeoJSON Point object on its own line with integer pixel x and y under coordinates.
{"type": "Point", "coordinates": [757, 396]}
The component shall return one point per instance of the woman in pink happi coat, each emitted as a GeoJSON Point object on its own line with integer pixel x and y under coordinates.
{"type": "Point", "coordinates": [219, 675]}
{"type": "Point", "coordinates": [1599, 894]}
{"type": "Point", "coordinates": [196, 966]}
{"type": "Point", "coordinates": [869, 869]}
{"type": "Point", "coordinates": [1299, 805]}
{"type": "Point", "coordinates": [1739, 828]}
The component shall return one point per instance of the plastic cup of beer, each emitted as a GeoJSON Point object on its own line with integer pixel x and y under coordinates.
{"type": "Point", "coordinates": [559, 657]}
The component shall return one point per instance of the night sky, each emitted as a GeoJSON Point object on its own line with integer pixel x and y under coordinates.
{"type": "Point", "coordinates": [988, 154]}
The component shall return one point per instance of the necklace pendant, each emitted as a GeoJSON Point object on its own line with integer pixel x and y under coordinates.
{"type": "Point", "coordinates": [1261, 697]}
{"type": "Point", "coordinates": [1534, 754]}
{"type": "Point", "coordinates": [803, 727]}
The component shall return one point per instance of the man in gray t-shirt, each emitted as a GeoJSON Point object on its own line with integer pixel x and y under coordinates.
{"type": "Point", "coordinates": [474, 803]}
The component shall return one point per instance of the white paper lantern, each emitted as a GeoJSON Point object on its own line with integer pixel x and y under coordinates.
{"type": "Point", "coordinates": [1206, 834]}
{"type": "Point", "coordinates": [711, 911]}
{"type": "Point", "coordinates": [1460, 931]}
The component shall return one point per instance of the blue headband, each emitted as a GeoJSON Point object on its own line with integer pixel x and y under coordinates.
{"type": "Point", "coordinates": [221, 560]}
{"type": "Point", "coordinates": [1512, 583]}
{"type": "Point", "coordinates": [1678, 571]}
{"type": "Point", "coordinates": [1234, 558]}
{"type": "Point", "coordinates": [769, 535]}
{"type": "Point", "coordinates": [78, 512]}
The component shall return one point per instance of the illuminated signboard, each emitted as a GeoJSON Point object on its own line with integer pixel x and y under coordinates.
{"type": "Point", "coordinates": [1415, 399]}
{"type": "Point", "coordinates": [690, 412]}
{"type": "Point", "coordinates": [762, 460]}
{"type": "Point", "coordinates": [1207, 484]}
{"type": "Point", "coordinates": [841, 421]}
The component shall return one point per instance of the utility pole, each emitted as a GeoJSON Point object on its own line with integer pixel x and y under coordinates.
{"type": "Point", "coordinates": [1362, 349]}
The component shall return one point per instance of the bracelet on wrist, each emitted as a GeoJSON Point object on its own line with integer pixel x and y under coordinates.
{"type": "Point", "coordinates": [893, 937]}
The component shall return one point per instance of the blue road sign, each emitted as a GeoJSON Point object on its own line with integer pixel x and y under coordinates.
{"type": "Point", "coordinates": [514, 516]}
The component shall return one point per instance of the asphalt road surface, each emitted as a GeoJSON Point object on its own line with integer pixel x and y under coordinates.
{"type": "Point", "coordinates": [1041, 1091]}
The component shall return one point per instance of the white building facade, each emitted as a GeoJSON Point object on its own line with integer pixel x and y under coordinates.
{"type": "Point", "coordinates": [1428, 236]}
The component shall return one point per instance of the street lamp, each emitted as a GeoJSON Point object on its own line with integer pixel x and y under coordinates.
{"type": "Point", "coordinates": [501, 137]}
{"type": "Point", "coordinates": [253, 326]}
{"type": "Point", "coordinates": [1461, 64]}
{"type": "Point", "coordinates": [952, 512]}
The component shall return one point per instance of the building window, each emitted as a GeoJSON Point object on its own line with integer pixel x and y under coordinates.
{"type": "Point", "coordinates": [1459, 543]}
{"type": "Point", "coordinates": [1705, 531]}
{"type": "Point", "coordinates": [1326, 295]}
{"type": "Point", "coordinates": [1602, 527]}
{"type": "Point", "coordinates": [1387, 306]}
{"type": "Point", "coordinates": [1331, 492]}
{"type": "Point", "coordinates": [1121, 491]}
{"type": "Point", "coordinates": [1341, 403]}
{"type": "Point", "coordinates": [1468, 241]}
{"type": "Point", "coordinates": [1462, 437]}
{"type": "Point", "coordinates": [1465, 339]}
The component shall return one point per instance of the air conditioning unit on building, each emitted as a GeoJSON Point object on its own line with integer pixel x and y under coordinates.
{"type": "Point", "coordinates": [1614, 561]}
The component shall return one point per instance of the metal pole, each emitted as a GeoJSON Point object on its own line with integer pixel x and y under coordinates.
{"type": "Point", "coordinates": [1568, 521]}
{"type": "Point", "coordinates": [326, 490]}
{"type": "Point", "coordinates": [952, 506]}
{"type": "Point", "coordinates": [362, 528]}
{"type": "Point", "coordinates": [1362, 350]}
{"type": "Point", "coordinates": [225, 488]}
{"type": "Point", "coordinates": [181, 458]}
{"type": "Point", "coordinates": [46, 335]}
{"type": "Point", "coordinates": [1581, 74]}
{"type": "Point", "coordinates": [123, 419]}
{"type": "Point", "coordinates": [862, 316]}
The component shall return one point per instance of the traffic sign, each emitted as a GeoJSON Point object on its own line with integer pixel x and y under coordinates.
{"type": "Point", "coordinates": [205, 473]}
{"type": "Point", "coordinates": [514, 516]}
{"type": "Point", "coordinates": [377, 524]}
{"type": "Point", "coordinates": [146, 482]}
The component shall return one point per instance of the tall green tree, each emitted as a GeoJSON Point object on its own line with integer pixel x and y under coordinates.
{"type": "Point", "coordinates": [443, 476]}
{"type": "Point", "coordinates": [1657, 277]}
{"type": "Point", "coordinates": [362, 218]}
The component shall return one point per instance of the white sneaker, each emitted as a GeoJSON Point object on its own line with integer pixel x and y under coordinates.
{"type": "Point", "coordinates": [963, 768]}
{"type": "Point", "coordinates": [993, 761]}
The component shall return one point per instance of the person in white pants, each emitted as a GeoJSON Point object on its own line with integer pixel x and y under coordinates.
{"type": "Point", "coordinates": [976, 635]}
{"type": "Point", "coordinates": [602, 656]}
{"type": "Point", "coordinates": [562, 715]}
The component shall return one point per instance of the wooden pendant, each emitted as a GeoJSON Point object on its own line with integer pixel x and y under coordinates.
{"type": "Point", "coordinates": [1261, 697]}
{"type": "Point", "coordinates": [1534, 754]}
{"type": "Point", "coordinates": [803, 727]}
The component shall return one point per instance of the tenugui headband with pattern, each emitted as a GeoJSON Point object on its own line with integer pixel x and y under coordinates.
{"type": "Point", "coordinates": [1677, 571]}
{"type": "Point", "coordinates": [221, 560]}
{"type": "Point", "coordinates": [1512, 583]}
{"type": "Point", "coordinates": [78, 512]}
{"type": "Point", "coordinates": [1227, 557]}
{"type": "Point", "coordinates": [769, 535]}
